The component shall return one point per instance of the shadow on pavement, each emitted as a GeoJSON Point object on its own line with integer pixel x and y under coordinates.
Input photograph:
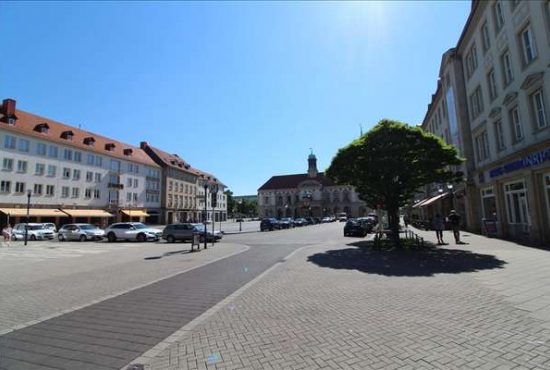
{"type": "Point", "coordinates": [168, 254]}
{"type": "Point", "coordinates": [425, 262]}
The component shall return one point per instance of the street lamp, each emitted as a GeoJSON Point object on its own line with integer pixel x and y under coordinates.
{"type": "Point", "coordinates": [205, 186]}
{"type": "Point", "coordinates": [29, 192]}
{"type": "Point", "coordinates": [214, 191]}
{"type": "Point", "coordinates": [450, 188]}
{"type": "Point", "coordinates": [240, 217]}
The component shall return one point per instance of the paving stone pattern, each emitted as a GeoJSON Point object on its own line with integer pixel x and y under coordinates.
{"type": "Point", "coordinates": [305, 316]}
{"type": "Point", "coordinates": [110, 334]}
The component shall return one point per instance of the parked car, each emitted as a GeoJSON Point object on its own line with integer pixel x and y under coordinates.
{"type": "Point", "coordinates": [286, 223]}
{"type": "Point", "coordinates": [368, 223]}
{"type": "Point", "coordinates": [35, 232]}
{"type": "Point", "coordinates": [342, 217]}
{"type": "Point", "coordinates": [210, 237]}
{"type": "Point", "coordinates": [326, 220]}
{"type": "Point", "coordinates": [50, 226]}
{"type": "Point", "coordinates": [354, 227]}
{"type": "Point", "coordinates": [80, 232]}
{"type": "Point", "coordinates": [317, 220]}
{"type": "Point", "coordinates": [240, 219]}
{"type": "Point", "coordinates": [310, 220]}
{"type": "Point", "coordinates": [179, 231]}
{"type": "Point", "coordinates": [131, 231]}
{"type": "Point", "coordinates": [300, 222]}
{"type": "Point", "coordinates": [269, 224]}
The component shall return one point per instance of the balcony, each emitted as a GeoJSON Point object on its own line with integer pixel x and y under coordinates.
{"type": "Point", "coordinates": [114, 185]}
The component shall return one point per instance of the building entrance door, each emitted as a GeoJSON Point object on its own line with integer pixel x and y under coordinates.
{"type": "Point", "coordinates": [517, 204]}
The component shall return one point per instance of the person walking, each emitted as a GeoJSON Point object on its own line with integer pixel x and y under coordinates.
{"type": "Point", "coordinates": [454, 219]}
{"type": "Point", "coordinates": [6, 233]}
{"type": "Point", "coordinates": [438, 227]}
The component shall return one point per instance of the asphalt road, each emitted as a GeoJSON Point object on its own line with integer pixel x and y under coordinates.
{"type": "Point", "coordinates": [111, 333]}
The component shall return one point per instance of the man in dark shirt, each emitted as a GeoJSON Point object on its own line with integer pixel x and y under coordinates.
{"type": "Point", "coordinates": [454, 220]}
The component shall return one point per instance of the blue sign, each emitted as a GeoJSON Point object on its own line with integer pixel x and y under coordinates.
{"type": "Point", "coordinates": [528, 161]}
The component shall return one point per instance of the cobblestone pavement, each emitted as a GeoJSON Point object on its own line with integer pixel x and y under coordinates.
{"type": "Point", "coordinates": [336, 306]}
{"type": "Point", "coordinates": [48, 278]}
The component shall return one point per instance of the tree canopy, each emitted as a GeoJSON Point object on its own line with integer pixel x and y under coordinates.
{"type": "Point", "coordinates": [391, 162]}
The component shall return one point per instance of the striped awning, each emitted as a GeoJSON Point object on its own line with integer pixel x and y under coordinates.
{"type": "Point", "coordinates": [33, 212]}
{"type": "Point", "coordinates": [435, 199]}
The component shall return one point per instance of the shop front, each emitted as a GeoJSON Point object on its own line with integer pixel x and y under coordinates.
{"type": "Point", "coordinates": [19, 215]}
{"type": "Point", "coordinates": [517, 197]}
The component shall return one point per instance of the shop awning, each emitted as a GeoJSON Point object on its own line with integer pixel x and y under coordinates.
{"type": "Point", "coordinates": [419, 204]}
{"type": "Point", "coordinates": [134, 212]}
{"type": "Point", "coordinates": [434, 199]}
{"type": "Point", "coordinates": [33, 212]}
{"type": "Point", "coordinates": [87, 213]}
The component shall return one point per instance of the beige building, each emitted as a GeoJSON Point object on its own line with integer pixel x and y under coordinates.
{"type": "Point", "coordinates": [308, 194]}
{"type": "Point", "coordinates": [504, 51]}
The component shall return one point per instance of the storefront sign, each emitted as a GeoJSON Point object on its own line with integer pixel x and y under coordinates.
{"type": "Point", "coordinates": [528, 161]}
{"type": "Point", "coordinates": [491, 227]}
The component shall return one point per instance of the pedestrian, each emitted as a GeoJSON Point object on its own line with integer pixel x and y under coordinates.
{"type": "Point", "coordinates": [6, 233]}
{"type": "Point", "coordinates": [454, 219]}
{"type": "Point", "coordinates": [406, 220]}
{"type": "Point", "coordinates": [438, 227]}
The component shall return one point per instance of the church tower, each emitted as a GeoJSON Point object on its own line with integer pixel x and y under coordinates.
{"type": "Point", "coordinates": [312, 168]}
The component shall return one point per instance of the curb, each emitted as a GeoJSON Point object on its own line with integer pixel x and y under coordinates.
{"type": "Point", "coordinates": [239, 232]}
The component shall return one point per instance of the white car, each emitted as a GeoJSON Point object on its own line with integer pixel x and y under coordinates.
{"type": "Point", "coordinates": [80, 232]}
{"type": "Point", "coordinates": [132, 231]}
{"type": "Point", "coordinates": [35, 232]}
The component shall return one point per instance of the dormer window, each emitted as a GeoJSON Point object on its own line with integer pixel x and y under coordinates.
{"type": "Point", "coordinates": [11, 121]}
{"type": "Point", "coordinates": [128, 151]}
{"type": "Point", "coordinates": [110, 147]}
{"type": "Point", "coordinates": [42, 128]}
{"type": "Point", "coordinates": [90, 141]}
{"type": "Point", "coordinates": [67, 135]}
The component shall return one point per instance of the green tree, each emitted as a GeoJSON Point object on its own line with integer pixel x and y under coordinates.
{"type": "Point", "coordinates": [391, 162]}
{"type": "Point", "coordinates": [230, 201]}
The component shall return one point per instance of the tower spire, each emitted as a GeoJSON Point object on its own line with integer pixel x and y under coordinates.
{"type": "Point", "coordinates": [312, 165]}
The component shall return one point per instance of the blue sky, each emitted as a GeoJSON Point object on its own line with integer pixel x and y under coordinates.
{"type": "Point", "coordinates": [242, 90]}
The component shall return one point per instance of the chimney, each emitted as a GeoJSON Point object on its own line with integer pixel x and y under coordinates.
{"type": "Point", "coordinates": [8, 107]}
{"type": "Point", "coordinates": [143, 145]}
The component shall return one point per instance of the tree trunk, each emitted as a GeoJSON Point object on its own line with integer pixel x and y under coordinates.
{"type": "Point", "coordinates": [393, 220]}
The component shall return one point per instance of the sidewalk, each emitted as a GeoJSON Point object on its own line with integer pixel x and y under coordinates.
{"type": "Point", "coordinates": [478, 306]}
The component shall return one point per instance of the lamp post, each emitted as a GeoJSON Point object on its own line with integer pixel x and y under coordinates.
{"type": "Point", "coordinates": [28, 211]}
{"type": "Point", "coordinates": [205, 186]}
{"type": "Point", "coordinates": [214, 192]}
{"type": "Point", "coordinates": [241, 217]}
{"type": "Point", "coordinates": [450, 188]}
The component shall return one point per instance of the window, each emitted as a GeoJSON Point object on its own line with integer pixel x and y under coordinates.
{"type": "Point", "coordinates": [546, 184]}
{"type": "Point", "coordinates": [50, 190]}
{"type": "Point", "coordinates": [482, 146]}
{"type": "Point", "coordinates": [76, 174]}
{"type": "Point", "coordinates": [488, 203]}
{"type": "Point", "coordinates": [136, 168]}
{"type": "Point", "coordinates": [528, 46]}
{"type": "Point", "coordinates": [130, 167]}
{"type": "Point", "coordinates": [65, 191]}
{"type": "Point", "coordinates": [23, 145]}
{"type": "Point", "coordinates": [539, 109]}
{"type": "Point", "coordinates": [67, 154]}
{"type": "Point", "coordinates": [53, 151]}
{"type": "Point", "coordinates": [22, 166]}
{"type": "Point", "coordinates": [136, 182]}
{"type": "Point", "coordinates": [499, 135]}
{"type": "Point", "coordinates": [476, 102]}
{"type": "Point", "coordinates": [7, 164]}
{"type": "Point", "coordinates": [517, 129]}
{"type": "Point", "coordinates": [491, 81]}
{"type": "Point", "coordinates": [97, 177]}
{"type": "Point", "coordinates": [78, 157]}
{"type": "Point", "coordinates": [88, 193]}
{"type": "Point", "coordinates": [115, 165]}
{"type": "Point", "coordinates": [37, 189]}
{"type": "Point", "coordinates": [52, 170]}
{"type": "Point", "coordinates": [507, 71]}
{"type": "Point", "coordinates": [128, 197]}
{"type": "Point", "coordinates": [39, 169]}
{"type": "Point", "coordinates": [485, 37]}
{"type": "Point", "coordinates": [41, 149]}
{"type": "Point", "coordinates": [5, 186]}
{"type": "Point", "coordinates": [90, 159]}
{"type": "Point", "coordinates": [498, 16]}
{"type": "Point", "coordinates": [129, 182]}
{"type": "Point", "coordinates": [99, 161]}
{"type": "Point", "coordinates": [471, 61]}
{"type": "Point", "coordinates": [517, 204]}
{"type": "Point", "coordinates": [136, 197]}
{"type": "Point", "coordinates": [9, 142]}
{"type": "Point", "coordinates": [20, 187]}
{"type": "Point", "coordinates": [97, 194]}
{"type": "Point", "coordinates": [170, 186]}
{"type": "Point", "coordinates": [75, 192]}
{"type": "Point", "coordinates": [66, 172]}
{"type": "Point", "coordinates": [89, 176]}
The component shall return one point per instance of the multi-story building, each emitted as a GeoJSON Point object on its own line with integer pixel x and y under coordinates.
{"type": "Point", "coordinates": [71, 174]}
{"type": "Point", "coordinates": [216, 200]}
{"type": "Point", "coordinates": [308, 194]}
{"type": "Point", "coordinates": [178, 196]}
{"type": "Point", "coordinates": [505, 52]}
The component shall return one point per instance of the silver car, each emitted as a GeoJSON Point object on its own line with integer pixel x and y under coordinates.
{"type": "Point", "coordinates": [35, 232]}
{"type": "Point", "coordinates": [80, 232]}
{"type": "Point", "coordinates": [132, 231]}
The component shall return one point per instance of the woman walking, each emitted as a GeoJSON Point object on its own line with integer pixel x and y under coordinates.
{"type": "Point", "coordinates": [6, 233]}
{"type": "Point", "coordinates": [438, 227]}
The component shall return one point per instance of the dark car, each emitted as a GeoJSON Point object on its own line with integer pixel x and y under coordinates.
{"type": "Point", "coordinates": [368, 223]}
{"type": "Point", "coordinates": [175, 232]}
{"type": "Point", "coordinates": [300, 222]}
{"type": "Point", "coordinates": [310, 221]}
{"type": "Point", "coordinates": [354, 228]}
{"type": "Point", "coordinates": [269, 224]}
{"type": "Point", "coordinates": [286, 223]}
{"type": "Point", "coordinates": [317, 220]}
